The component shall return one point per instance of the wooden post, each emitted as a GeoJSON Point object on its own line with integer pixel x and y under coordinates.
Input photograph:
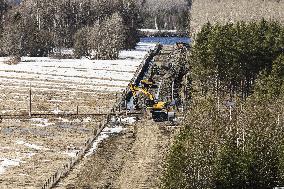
{"type": "Point", "coordinates": [30, 102]}
{"type": "Point", "coordinates": [126, 108]}
{"type": "Point", "coordinates": [173, 83]}
{"type": "Point", "coordinates": [77, 110]}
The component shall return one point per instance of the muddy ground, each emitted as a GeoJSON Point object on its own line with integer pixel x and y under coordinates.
{"type": "Point", "coordinates": [15, 101]}
{"type": "Point", "coordinates": [39, 147]}
{"type": "Point", "coordinates": [132, 159]}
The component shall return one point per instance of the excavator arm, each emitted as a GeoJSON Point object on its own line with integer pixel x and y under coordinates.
{"type": "Point", "coordinates": [134, 89]}
{"type": "Point", "coordinates": [159, 109]}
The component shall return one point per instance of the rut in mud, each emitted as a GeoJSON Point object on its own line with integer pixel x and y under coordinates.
{"type": "Point", "coordinates": [132, 159]}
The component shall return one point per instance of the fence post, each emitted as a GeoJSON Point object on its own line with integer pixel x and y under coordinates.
{"type": "Point", "coordinates": [121, 99]}
{"type": "Point", "coordinates": [30, 101]}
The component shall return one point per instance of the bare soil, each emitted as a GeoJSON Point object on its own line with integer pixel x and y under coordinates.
{"type": "Point", "coordinates": [133, 159]}
{"type": "Point", "coordinates": [41, 150]}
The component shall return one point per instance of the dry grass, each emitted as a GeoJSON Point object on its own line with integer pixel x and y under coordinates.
{"type": "Point", "coordinates": [13, 60]}
{"type": "Point", "coordinates": [223, 11]}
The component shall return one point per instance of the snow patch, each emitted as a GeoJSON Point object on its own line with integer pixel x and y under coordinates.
{"type": "Point", "coordinates": [56, 111]}
{"type": "Point", "coordinates": [129, 120]}
{"type": "Point", "coordinates": [71, 153]}
{"type": "Point", "coordinates": [64, 120]}
{"type": "Point", "coordinates": [5, 163]}
{"type": "Point", "coordinates": [87, 120]}
{"type": "Point", "coordinates": [32, 146]}
{"type": "Point", "coordinates": [100, 138]}
{"type": "Point", "coordinates": [104, 135]}
{"type": "Point", "coordinates": [83, 74]}
{"type": "Point", "coordinates": [40, 122]}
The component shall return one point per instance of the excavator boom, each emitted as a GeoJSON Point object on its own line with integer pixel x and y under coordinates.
{"type": "Point", "coordinates": [159, 109]}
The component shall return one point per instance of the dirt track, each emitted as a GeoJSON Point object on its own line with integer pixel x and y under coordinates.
{"type": "Point", "coordinates": [133, 159]}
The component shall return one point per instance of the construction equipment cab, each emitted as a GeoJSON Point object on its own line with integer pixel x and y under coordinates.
{"type": "Point", "coordinates": [161, 111]}
{"type": "Point", "coordinates": [182, 45]}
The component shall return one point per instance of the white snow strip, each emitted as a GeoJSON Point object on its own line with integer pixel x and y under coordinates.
{"type": "Point", "coordinates": [45, 73]}
{"type": "Point", "coordinates": [40, 122]}
{"type": "Point", "coordinates": [104, 135]}
{"type": "Point", "coordinates": [100, 138]}
{"type": "Point", "coordinates": [71, 153]}
{"type": "Point", "coordinates": [56, 111]}
{"type": "Point", "coordinates": [129, 120]}
{"type": "Point", "coordinates": [63, 120]}
{"type": "Point", "coordinates": [156, 30]}
{"type": "Point", "coordinates": [33, 146]}
{"type": "Point", "coordinates": [5, 163]}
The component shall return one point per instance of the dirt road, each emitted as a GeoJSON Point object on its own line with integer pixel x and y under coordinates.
{"type": "Point", "coordinates": [130, 160]}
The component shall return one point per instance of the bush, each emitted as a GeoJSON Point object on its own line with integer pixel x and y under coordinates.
{"type": "Point", "coordinates": [13, 60]}
{"type": "Point", "coordinates": [213, 151]}
{"type": "Point", "coordinates": [102, 41]}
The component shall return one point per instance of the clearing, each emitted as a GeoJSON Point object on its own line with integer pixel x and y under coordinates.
{"type": "Point", "coordinates": [33, 149]}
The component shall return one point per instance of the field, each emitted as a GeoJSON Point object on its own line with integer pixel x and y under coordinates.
{"type": "Point", "coordinates": [33, 149]}
{"type": "Point", "coordinates": [224, 11]}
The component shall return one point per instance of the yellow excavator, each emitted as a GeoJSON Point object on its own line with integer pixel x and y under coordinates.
{"type": "Point", "coordinates": [148, 83]}
{"type": "Point", "coordinates": [161, 111]}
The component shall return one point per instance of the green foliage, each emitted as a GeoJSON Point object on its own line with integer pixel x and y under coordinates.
{"type": "Point", "coordinates": [230, 57]}
{"type": "Point", "coordinates": [213, 151]}
{"type": "Point", "coordinates": [227, 142]}
{"type": "Point", "coordinates": [270, 85]}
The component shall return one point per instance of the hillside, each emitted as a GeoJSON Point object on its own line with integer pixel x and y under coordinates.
{"type": "Point", "coordinates": [223, 11]}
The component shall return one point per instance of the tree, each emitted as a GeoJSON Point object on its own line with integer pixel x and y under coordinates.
{"type": "Point", "coordinates": [12, 39]}
{"type": "Point", "coordinates": [228, 141]}
{"type": "Point", "coordinates": [165, 14]}
{"type": "Point", "coordinates": [81, 44]}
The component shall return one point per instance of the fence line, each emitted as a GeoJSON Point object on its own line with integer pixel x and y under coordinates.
{"type": "Point", "coordinates": [61, 173]}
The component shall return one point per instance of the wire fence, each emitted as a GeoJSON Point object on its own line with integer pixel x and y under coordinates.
{"type": "Point", "coordinates": [65, 169]}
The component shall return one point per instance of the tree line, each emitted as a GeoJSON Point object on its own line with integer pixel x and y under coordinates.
{"type": "Point", "coordinates": [165, 14]}
{"type": "Point", "coordinates": [37, 27]}
{"type": "Point", "coordinates": [228, 58]}
{"type": "Point", "coordinates": [233, 130]}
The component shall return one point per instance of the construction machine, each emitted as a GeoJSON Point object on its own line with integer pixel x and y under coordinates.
{"type": "Point", "coordinates": [160, 110]}
{"type": "Point", "coordinates": [148, 83]}
{"type": "Point", "coordinates": [182, 45]}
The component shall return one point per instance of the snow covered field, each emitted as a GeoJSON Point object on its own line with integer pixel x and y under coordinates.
{"type": "Point", "coordinates": [33, 149]}
{"type": "Point", "coordinates": [61, 83]}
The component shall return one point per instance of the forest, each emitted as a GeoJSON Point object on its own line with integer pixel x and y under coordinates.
{"type": "Point", "coordinates": [233, 129]}
{"type": "Point", "coordinates": [36, 28]}
{"type": "Point", "coordinates": [97, 29]}
{"type": "Point", "coordinates": [165, 14]}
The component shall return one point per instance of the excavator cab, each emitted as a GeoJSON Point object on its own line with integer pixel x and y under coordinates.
{"type": "Point", "coordinates": [161, 111]}
{"type": "Point", "coordinates": [158, 105]}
